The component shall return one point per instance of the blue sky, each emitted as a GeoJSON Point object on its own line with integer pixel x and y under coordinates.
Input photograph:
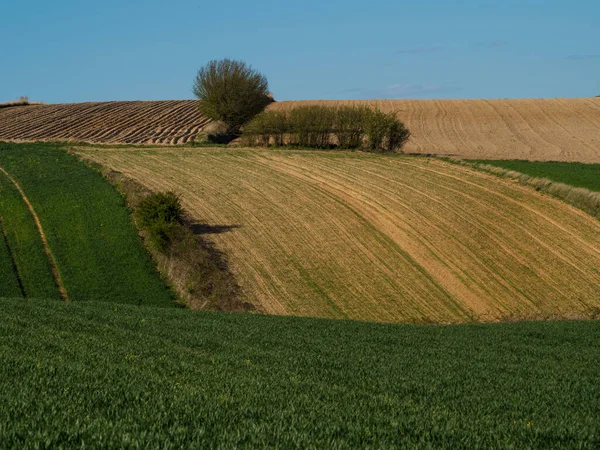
{"type": "Point", "coordinates": [72, 51]}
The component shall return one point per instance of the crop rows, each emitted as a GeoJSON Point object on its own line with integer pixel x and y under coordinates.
{"type": "Point", "coordinates": [370, 237]}
{"type": "Point", "coordinates": [535, 129]}
{"type": "Point", "coordinates": [138, 122]}
{"type": "Point", "coordinates": [85, 375]}
{"type": "Point", "coordinates": [541, 129]}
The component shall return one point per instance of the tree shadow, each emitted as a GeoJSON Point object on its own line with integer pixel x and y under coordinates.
{"type": "Point", "coordinates": [202, 228]}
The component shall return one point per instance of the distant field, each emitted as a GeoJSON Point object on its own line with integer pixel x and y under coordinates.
{"type": "Point", "coordinates": [156, 122]}
{"type": "Point", "coordinates": [533, 129]}
{"type": "Point", "coordinates": [575, 174]}
{"type": "Point", "coordinates": [390, 239]}
{"type": "Point", "coordinates": [540, 129]}
{"type": "Point", "coordinates": [85, 374]}
{"type": "Point", "coordinates": [91, 236]}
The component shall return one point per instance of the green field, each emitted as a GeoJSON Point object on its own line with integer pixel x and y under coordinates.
{"type": "Point", "coordinates": [572, 173]}
{"type": "Point", "coordinates": [88, 227]}
{"type": "Point", "coordinates": [24, 245]}
{"type": "Point", "coordinates": [118, 376]}
{"type": "Point", "coordinates": [9, 282]}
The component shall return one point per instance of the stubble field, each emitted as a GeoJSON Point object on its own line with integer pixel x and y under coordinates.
{"type": "Point", "coordinates": [388, 239]}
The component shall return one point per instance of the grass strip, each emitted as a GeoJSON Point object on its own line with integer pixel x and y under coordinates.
{"type": "Point", "coordinates": [573, 173]}
{"type": "Point", "coordinates": [10, 284]}
{"type": "Point", "coordinates": [25, 244]}
{"type": "Point", "coordinates": [196, 270]}
{"type": "Point", "coordinates": [91, 374]}
{"type": "Point", "coordinates": [88, 227]}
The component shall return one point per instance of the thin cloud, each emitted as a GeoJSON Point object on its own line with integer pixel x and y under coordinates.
{"type": "Point", "coordinates": [491, 44]}
{"type": "Point", "coordinates": [583, 57]}
{"type": "Point", "coordinates": [420, 50]}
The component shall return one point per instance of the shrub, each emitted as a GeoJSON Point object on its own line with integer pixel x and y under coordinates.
{"type": "Point", "coordinates": [311, 126]}
{"type": "Point", "coordinates": [349, 126]}
{"type": "Point", "coordinates": [160, 214]}
{"type": "Point", "coordinates": [266, 127]}
{"type": "Point", "coordinates": [316, 127]}
{"type": "Point", "coordinates": [377, 124]}
{"type": "Point", "coordinates": [232, 92]}
{"type": "Point", "coordinates": [397, 134]}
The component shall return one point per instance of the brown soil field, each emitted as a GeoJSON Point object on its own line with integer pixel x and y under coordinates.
{"type": "Point", "coordinates": [154, 122]}
{"type": "Point", "coordinates": [380, 238]}
{"type": "Point", "coordinates": [537, 130]}
{"type": "Point", "coordinates": [541, 129]}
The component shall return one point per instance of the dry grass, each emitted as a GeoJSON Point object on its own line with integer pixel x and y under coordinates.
{"type": "Point", "coordinates": [584, 199]}
{"type": "Point", "coordinates": [390, 239]}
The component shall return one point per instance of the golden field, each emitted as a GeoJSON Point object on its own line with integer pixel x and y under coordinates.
{"type": "Point", "coordinates": [379, 238]}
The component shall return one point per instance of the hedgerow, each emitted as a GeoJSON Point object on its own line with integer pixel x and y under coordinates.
{"type": "Point", "coordinates": [195, 269]}
{"type": "Point", "coordinates": [317, 126]}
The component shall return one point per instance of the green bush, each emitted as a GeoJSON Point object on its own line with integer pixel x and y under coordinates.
{"type": "Point", "coordinates": [160, 207]}
{"type": "Point", "coordinates": [397, 134]}
{"type": "Point", "coordinates": [311, 126]}
{"type": "Point", "coordinates": [377, 126]}
{"type": "Point", "coordinates": [385, 132]}
{"type": "Point", "coordinates": [270, 126]}
{"type": "Point", "coordinates": [349, 126]}
{"type": "Point", "coordinates": [160, 214]}
{"type": "Point", "coordinates": [323, 127]}
{"type": "Point", "coordinates": [232, 92]}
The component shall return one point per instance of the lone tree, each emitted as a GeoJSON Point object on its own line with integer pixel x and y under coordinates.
{"type": "Point", "coordinates": [232, 92]}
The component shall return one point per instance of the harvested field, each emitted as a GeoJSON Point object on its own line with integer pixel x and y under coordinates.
{"type": "Point", "coordinates": [533, 129]}
{"type": "Point", "coordinates": [154, 122]}
{"type": "Point", "coordinates": [370, 237]}
{"type": "Point", "coordinates": [545, 130]}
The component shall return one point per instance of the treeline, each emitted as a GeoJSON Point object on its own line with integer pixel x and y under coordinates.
{"type": "Point", "coordinates": [323, 127]}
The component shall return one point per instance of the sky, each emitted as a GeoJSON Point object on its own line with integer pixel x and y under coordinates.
{"type": "Point", "coordinates": [64, 51]}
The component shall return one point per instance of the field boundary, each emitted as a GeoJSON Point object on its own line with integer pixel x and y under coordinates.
{"type": "Point", "coordinates": [55, 273]}
{"type": "Point", "coordinates": [581, 198]}
{"type": "Point", "coordinates": [13, 263]}
{"type": "Point", "coordinates": [192, 265]}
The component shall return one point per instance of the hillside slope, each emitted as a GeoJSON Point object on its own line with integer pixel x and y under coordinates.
{"type": "Point", "coordinates": [540, 129]}
{"type": "Point", "coordinates": [369, 237]}
{"type": "Point", "coordinates": [138, 122]}
{"type": "Point", "coordinates": [534, 129]}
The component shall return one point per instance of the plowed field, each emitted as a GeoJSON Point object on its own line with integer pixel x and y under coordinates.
{"type": "Point", "coordinates": [390, 239]}
{"type": "Point", "coordinates": [553, 129]}
{"type": "Point", "coordinates": [155, 122]}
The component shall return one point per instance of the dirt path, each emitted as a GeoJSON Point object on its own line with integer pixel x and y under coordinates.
{"type": "Point", "coordinates": [55, 273]}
